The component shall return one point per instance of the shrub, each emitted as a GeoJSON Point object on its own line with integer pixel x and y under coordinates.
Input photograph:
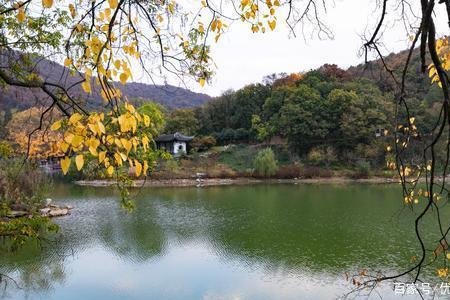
{"type": "Point", "coordinates": [171, 165]}
{"type": "Point", "coordinates": [288, 172]}
{"type": "Point", "coordinates": [315, 172]}
{"type": "Point", "coordinates": [322, 156]}
{"type": "Point", "coordinates": [265, 163]}
{"type": "Point", "coordinates": [203, 143]}
{"type": "Point", "coordinates": [362, 169]}
{"type": "Point", "coordinates": [23, 186]}
{"type": "Point", "coordinates": [5, 149]}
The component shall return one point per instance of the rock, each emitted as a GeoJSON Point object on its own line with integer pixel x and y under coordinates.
{"type": "Point", "coordinates": [44, 211]}
{"type": "Point", "coordinates": [57, 212]}
{"type": "Point", "coordinates": [48, 211]}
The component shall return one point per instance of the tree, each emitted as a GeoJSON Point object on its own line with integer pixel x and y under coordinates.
{"type": "Point", "coordinates": [21, 135]}
{"type": "Point", "coordinates": [304, 118]}
{"type": "Point", "coordinates": [265, 163]}
{"type": "Point", "coordinates": [182, 120]}
{"type": "Point", "coordinates": [233, 109]}
{"type": "Point", "coordinates": [263, 131]}
{"type": "Point", "coordinates": [203, 143]}
{"type": "Point", "coordinates": [156, 111]}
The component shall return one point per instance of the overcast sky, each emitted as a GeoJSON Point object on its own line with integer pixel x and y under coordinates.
{"type": "Point", "coordinates": [243, 57]}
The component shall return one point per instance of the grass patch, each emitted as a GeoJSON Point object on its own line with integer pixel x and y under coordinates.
{"type": "Point", "coordinates": [238, 157]}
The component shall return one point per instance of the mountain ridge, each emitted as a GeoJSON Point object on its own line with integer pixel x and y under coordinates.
{"type": "Point", "coordinates": [13, 97]}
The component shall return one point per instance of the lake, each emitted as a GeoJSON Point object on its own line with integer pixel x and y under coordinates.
{"type": "Point", "coordinates": [230, 242]}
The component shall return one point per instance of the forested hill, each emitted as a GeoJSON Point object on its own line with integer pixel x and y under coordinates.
{"type": "Point", "coordinates": [168, 95]}
{"type": "Point", "coordinates": [323, 116]}
{"type": "Point", "coordinates": [418, 83]}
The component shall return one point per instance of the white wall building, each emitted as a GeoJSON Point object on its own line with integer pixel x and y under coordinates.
{"type": "Point", "coordinates": [175, 144]}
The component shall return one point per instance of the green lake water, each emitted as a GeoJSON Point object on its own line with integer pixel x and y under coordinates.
{"type": "Point", "coordinates": [232, 242]}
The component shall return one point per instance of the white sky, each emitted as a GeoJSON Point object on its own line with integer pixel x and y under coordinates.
{"type": "Point", "coordinates": [243, 57]}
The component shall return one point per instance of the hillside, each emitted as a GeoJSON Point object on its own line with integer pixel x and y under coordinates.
{"type": "Point", "coordinates": [168, 95]}
{"type": "Point", "coordinates": [418, 83]}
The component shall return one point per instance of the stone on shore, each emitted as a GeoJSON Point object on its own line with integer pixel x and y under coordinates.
{"type": "Point", "coordinates": [48, 211]}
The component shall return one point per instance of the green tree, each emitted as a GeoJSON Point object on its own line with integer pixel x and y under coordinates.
{"type": "Point", "coordinates": [304, 118]}
{"type": "Point", "coordinates": [156, 111]}
{"type": "Point", "coordinates": [265, 163]}
{"type": "Point", "coordinates": [183, 121]}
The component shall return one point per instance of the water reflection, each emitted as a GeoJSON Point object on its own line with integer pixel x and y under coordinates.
{"type": "Point", "coordinates": [253, 242]}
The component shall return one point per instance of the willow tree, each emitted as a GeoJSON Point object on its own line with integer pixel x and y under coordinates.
{"type": "Point", "coordinates": [103, 42]}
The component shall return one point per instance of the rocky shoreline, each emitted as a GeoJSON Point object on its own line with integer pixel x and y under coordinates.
{"type": "Point", "coordinates": [233, 181]}
{"type": "Point", "coordinates": [48, 211]}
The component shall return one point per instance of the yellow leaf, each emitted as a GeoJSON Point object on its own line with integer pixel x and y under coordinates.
{"type": "Point", "coordinates": [67, 62]}
{"type": "Point", "coordinates": [72, 10]}
{"type": "Point", "coordinates": [201, 29]}
{"type": "Point", "coordinates": [65, 164]}
{"type": "Point", "coordinates": [113, 3]}
{"type": "Point", "coordinates": [202, 82]}
{"type": "Point", "coordinates": [145, 142]}
{"type": "Point", "coordinates": [138, 167]}
{"type": "Point", "coordinates": [101, 156]}
{"type": "Point", "coordinates": [93, 128]}
{"type": "Point", "coordinates": [123, 78]}
{"type": "Point", "coordinates": [118, 159]}
{"type": "Point", "coordinates": [123, 156]}
{"type": "Point", "coordinates": [47, 3]}
{"type": "Point", "coordinates": [144, 172]}
{"type": "Point", "coordinates": [63, 146]}
{"type": "Point", "coordinates": [126, 144]}
{"type": "Point", "coordinates": [93, 151]}
{"type": "Point", "coordinates": [68, 137]}
{"type": "Point", "coordinates": [74, 118]}
{"type": "Point", "coordinates": [21, 15]}
{"type": "Point", "coordinates": [110, 170]}
{"type": "Point", "coordinates": [56, 125]}
{"type": "Point", "coordinates": [86, 87]}
{"type": "Point", "coordinates": [77, 140]}
{"type": "Point", "coordinates": [272, 24]}
{"type": "Point", "coordinates": [101, 127]}
{"type": "Point", "coordinates": [79, 161]}
{"type": "Point", "coordinates": [146, 120]}
{"type": "Point", "coordinates": [171, 7]}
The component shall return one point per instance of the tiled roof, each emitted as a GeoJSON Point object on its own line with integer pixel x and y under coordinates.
{"type": "Point", "coordinates": [174, 137]}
